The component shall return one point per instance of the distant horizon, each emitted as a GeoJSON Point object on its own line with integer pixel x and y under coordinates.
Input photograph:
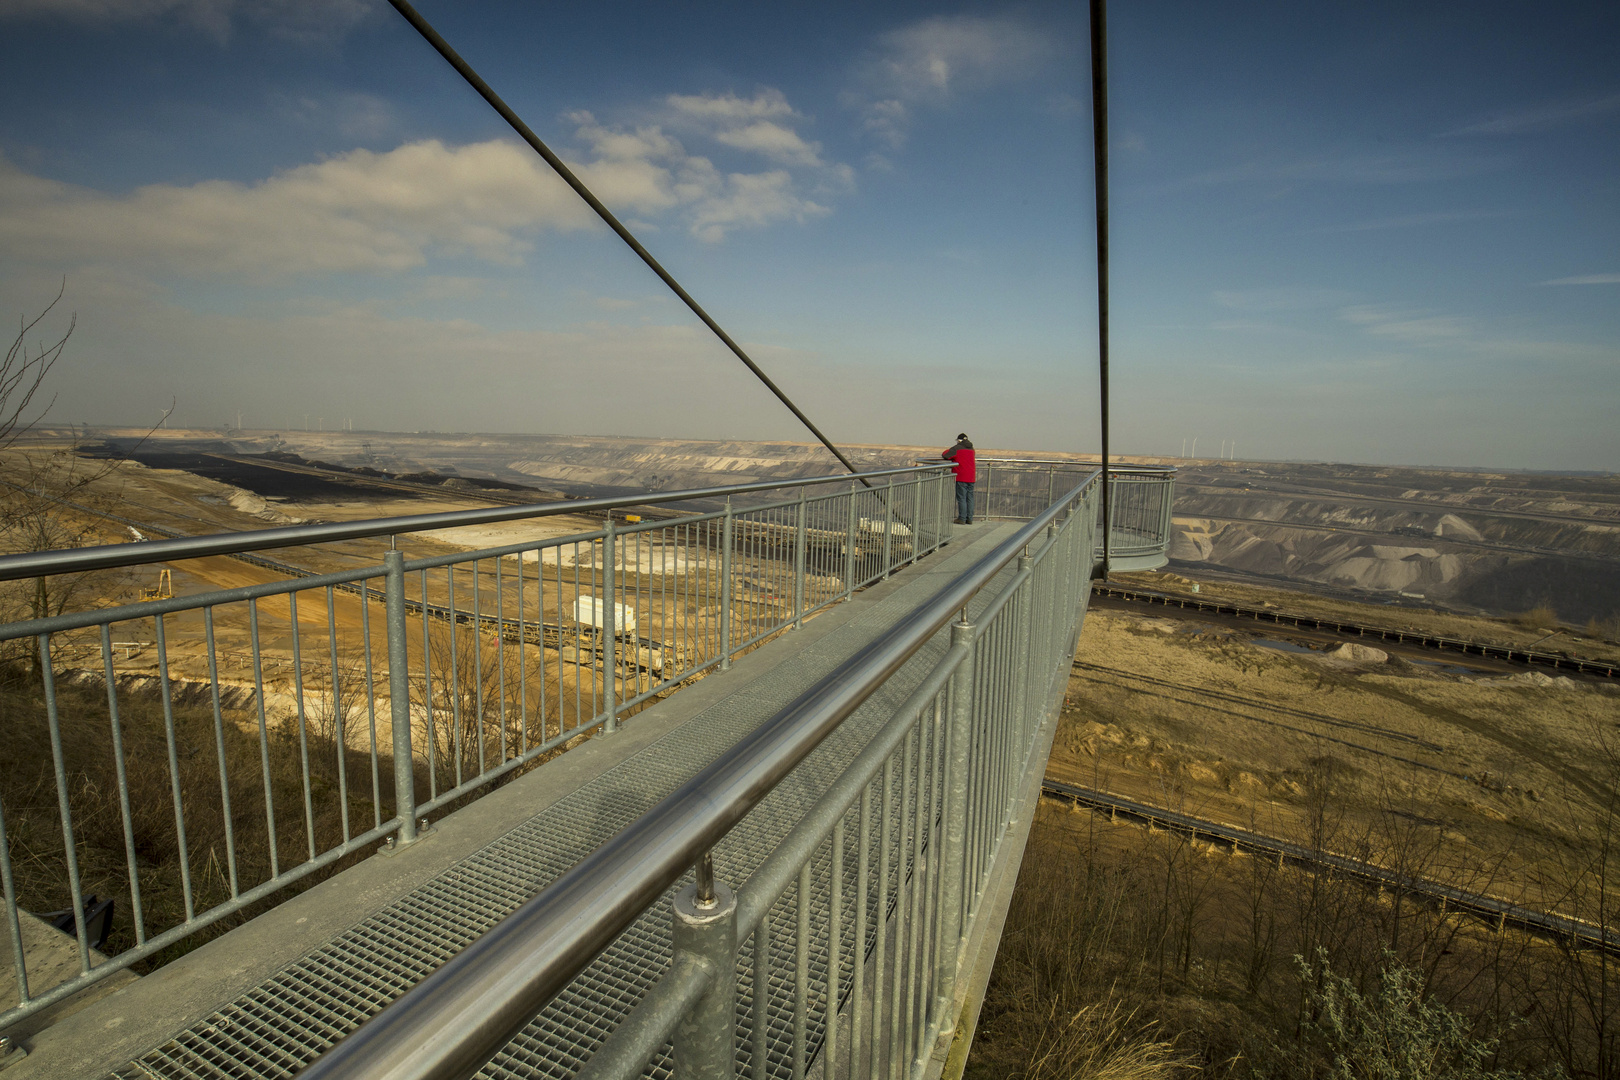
{"type": "Point", "coordinates": [135, 430]}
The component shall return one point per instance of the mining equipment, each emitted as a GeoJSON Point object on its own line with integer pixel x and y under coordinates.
{"type": "Point", "coordinates": [162, 590]}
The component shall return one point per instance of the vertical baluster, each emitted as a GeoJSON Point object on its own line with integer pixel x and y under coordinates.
{"type": "Point", "coordinates": [454, 687]}
{"type": "Point", "coordinates": [69, 845]}
{"type": "Point", "coordinates": [264, 743]}
{"type": "Point", "coordinates": [857, 992]}
{"type": "Point", "coordinates": [174, 768]}
{"type": "Point", "coordinates": [726, 572]}
{"type": "Point", "coordinates": [340, 736]}
{"type": "Point", "coordinates": [427, 688]}
{"type": "Point", "coordinates": [123, 784]}
{"type": "Point", "coordinates": [500, 657]}
{"type": "Point", "coordinates": [835, 947]}
{"type": "Point", "coordinates": [371, 700]}
{"type": "Point", "coordinates": [399, 693]}
{"type": "Point", "coordinates": [219, 746]}
{"type": "Point", "coordinates": [478, 666]}
{"type": "Point", "coordinates": [8, 886]}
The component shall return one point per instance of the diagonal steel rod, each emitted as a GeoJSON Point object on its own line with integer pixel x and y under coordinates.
{"type": "Point", "coordinates": [1099, 142]}
{"type": "Point", "coordinates": [465, 70]}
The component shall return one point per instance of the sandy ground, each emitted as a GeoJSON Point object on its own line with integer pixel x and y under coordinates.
{"type": "Point", "coordinates": [1493, 777]}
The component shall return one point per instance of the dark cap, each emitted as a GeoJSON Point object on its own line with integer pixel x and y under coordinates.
{"type": "Point", "coordinates": [961, 435]}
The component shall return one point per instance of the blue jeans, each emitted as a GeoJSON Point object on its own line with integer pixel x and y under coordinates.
{"type": "Point", "coordinates": [964, 502]}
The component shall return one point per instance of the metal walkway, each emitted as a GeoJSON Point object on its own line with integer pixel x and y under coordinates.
{"type": "Point", "coordinates": [212, 1014]}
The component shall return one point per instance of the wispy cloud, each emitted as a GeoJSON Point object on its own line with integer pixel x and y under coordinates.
{"type": "Point", "coordinates": [1280, 298]}
{"type": "Point", "coordinates": [928, 62]}
{"type": "Point", "coordinates": [1405, 327]}
{"type": "Point", "coordinates": [1524, 121]}
{"type": "Point", "coordinates": [310, 21]}
{"type": "Point", "coordinates": [1586, 279]}
{"type": "Point", "coordinates": [1412, 221]}
{"type": "Point", "coordinates": [1415, 165]}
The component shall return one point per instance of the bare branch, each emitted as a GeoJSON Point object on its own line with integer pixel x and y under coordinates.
{"type": "Point", "coordinates": [21, 375]}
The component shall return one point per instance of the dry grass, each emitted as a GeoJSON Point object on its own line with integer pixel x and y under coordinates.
{"type": "Point", "coordinates": [28, 785]}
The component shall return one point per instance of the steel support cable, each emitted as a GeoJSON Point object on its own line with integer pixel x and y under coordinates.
{"type": "Point", "coordinates": [466, 71]}
{"type": "Point", "coordinates": [1099, 143]}
{"type": "Point", "coordinates": [449, 1024]}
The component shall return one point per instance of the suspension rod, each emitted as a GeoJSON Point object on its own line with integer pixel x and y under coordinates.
{"type": "Point", "coordinates": [466, 71]}
{"type": "Point", "coordinates": [1099, 141]}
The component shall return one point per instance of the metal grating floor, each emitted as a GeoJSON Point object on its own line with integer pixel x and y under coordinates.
{"type": "Point", "coordinates": [281, 1025]}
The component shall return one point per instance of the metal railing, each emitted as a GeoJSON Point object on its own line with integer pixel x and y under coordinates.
{"type": "Point", "coordinates": [843, 951]}
{"type": "Point", "coordinates": [1140, 498]}
{"type": "Point", "coordinates": [280, 727]}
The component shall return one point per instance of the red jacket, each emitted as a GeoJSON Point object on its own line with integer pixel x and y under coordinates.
{"type": "Point", "coordinates": [962, 458]}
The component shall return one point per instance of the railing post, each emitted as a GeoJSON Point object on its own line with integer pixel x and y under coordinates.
{"type": "Point", "coordinates": [1026, 667]}
{"type": "Point", "coordinates": [916, 516]}
{"type": "Point", "coordinates": [952, 878]}
{"type": "Point", "coordinates": [849, 547]}
{"type": "Point", "coordinates": [706, 933]}
{"type": "Point", "coordinates": [610, 626]}
{"type": "Point", "coordinates": [399, 693]}
{"type": "Point", "coordinates": [725, 589]}
{"type": "Point", "coordinates": [1049, 479]}
{"type": "Point", "coordinates": [798, 567]}
{"type": "Point", "coordinates": [888, 526]}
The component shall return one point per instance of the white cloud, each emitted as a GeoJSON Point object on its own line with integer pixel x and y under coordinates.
{"type": "Point", "coordinates": [360, 211]}
{"type": "Point", "coordinates": [1586, 279]}
{"type": "Point", "coordinates": [773, 141]}
{"type": "Point", "coordinates": [929, 61]}
{"type": "Point", "coordinates": [767, 104]}
{"type": "Point", "coordinates": [371, 212]}
{"type": "Point", "coordinates": [1540, 117]}
{"type": "Point", "coordinates": [753, 200]}
{"type": "Point", "coordinates": [650, 171]}
{"type": "Point", "coordinates": [300, 20]}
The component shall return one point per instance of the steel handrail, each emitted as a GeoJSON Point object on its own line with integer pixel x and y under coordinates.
{"type": "Point", "coordinates": [1115, 467]}
{"type": "Point", "coordinates": [453, 1021]}
{"type": "Point", "coordinates": [42, 563]}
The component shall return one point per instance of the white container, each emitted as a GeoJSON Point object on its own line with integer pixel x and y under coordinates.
{"type": "Point", "coordinates": [590, 611]}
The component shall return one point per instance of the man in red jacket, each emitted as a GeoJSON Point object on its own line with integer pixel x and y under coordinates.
{"type": "Point", "coordinates": [961, 457]}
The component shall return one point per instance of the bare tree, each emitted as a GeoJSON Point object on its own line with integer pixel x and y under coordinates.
{"type": "Point", "coordinates": [23, 373]}
{"type": "Point", "coordinates": [51, 497]}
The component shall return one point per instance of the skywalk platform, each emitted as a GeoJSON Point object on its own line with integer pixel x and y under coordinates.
{"type": "Point", "coordinates": [268, 997]}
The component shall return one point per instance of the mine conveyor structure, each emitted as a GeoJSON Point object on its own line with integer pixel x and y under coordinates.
{"type": "Point", "coordinates": [1495, 911]}
{"type": "Point", "coordinates": [1510, 653]}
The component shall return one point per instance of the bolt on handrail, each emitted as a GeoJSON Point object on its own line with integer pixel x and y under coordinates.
{"type": "Point", "coordinates": [452, 1022]}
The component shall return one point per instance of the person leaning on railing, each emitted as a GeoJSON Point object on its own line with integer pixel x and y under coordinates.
{"type": "Point", "coordinates": [962, 460]}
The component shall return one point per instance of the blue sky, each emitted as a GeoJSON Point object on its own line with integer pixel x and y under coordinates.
{"type": "Point", "coordinates": [1373, 232]}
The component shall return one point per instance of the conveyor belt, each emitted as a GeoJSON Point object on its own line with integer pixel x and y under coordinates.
{"type": "Point", "coordinates": [1491, 909]}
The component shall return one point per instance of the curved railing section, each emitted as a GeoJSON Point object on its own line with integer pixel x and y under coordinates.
{"type": "Point", "coordinates": [846, 951]}
{"type": "Point", "coordinates": [292, 723]}
{"type": "Point", "coordinates": [1140, 500]}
